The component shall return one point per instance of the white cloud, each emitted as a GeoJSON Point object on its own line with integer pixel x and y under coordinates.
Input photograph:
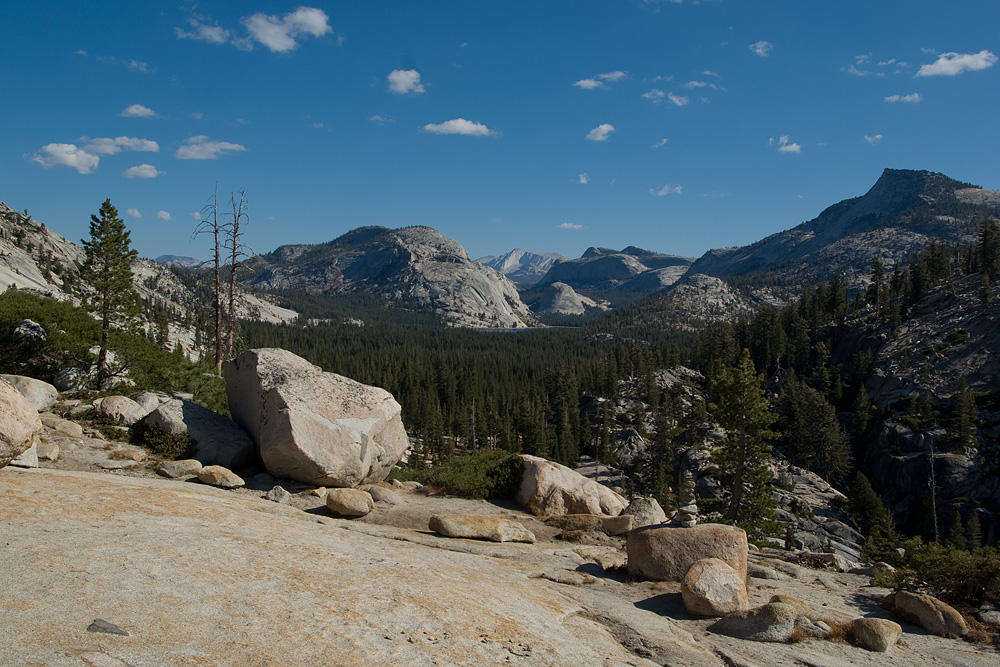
{"type": "Point", "coordinates": [570, 225]}
{"type": "Point", "coordinates": [196, 215]}
{"type": "Point", "coordinates": [601, 132]}
{"type": "Point", "coordinates": [137, 66]}
{"type": "Point", "coordinates": [142, 171]}
{"type": "Point", "coordinates": [785, 146]}
{"type": "Point", "coordinates": [459, 126]}
{"type": "Point", "coordinates": [598, 81]}
{"type": "Point", "coordinates": [137, 111]}
{"type": "Point", "coordinates": [678, 100]}
{"type": "Point", "coordinates": [279, 33]}
{"type": "Point", "coordinates": [109, 146]}
{"type": "Point", "coordinates": [873, 139]}
{"type": "Point", "coordinates": [162, 215]}
{"type": "Point", "coordinates": [952, 64]}
{"type": "Point", "coordinates": [661, 143]}
{"type": "Point", "coordinates": [709, 72]}
{"type": "Point", "coordinates": [583, 179]}
{"type": "Point", "coordinates": [200, 148]}
{"type": "Point", "coordinates": [382, 120]}
{"type": "Point", "coordinates": [761, 48]}
{"type": "Point", "coordinates": [666, 190]}
{"type": "Point", "coordinates": [912, 98]}
{"type": "Point", "coordinates": [405, 81]}
{"type": "Point", "coordinates": [134, 212]}
{"type": "Point", "coordinates": [66, 155]}
{"type": "Point", "coordinates": [204, 32]}
{"type": "Point", "coordinates": [655, 95]}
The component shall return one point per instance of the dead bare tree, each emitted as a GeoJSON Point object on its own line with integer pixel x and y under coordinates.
{"type": "Point", "coordinates": [237, 252]}
{"type": "Point", "coordinates": [210, 225]}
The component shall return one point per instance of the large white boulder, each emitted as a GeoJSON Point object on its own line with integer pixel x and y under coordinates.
{"type": "Point", "coordinates": [19, 423]}
{"type": "Point", "coordinates": [666, 553]}
{"type": "Point", "coordinates": [315, 427]}
{"type": "Point", "coordinates": [548, 488]}
{"type": "Point", "coordinates": [40, 394]}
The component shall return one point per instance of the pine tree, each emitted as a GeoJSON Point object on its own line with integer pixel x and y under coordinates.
{"type": "Point", "coordinates": [107, 269]}
{"type": "Point", "coordinates": [956, 534]}
{"type": "Point", "coordinates": [742, 408]}
{"type": "Point", "coordinates": [973, 532]}
{"type": "Point", "coordinates": [964, 416]}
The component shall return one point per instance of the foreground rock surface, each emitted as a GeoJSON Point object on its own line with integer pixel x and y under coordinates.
{"type": "Point", "coordinates": [666, 553]}
{"type": "Point", "coordinates": [18, 423]}
{"type": "Point", "coordinates": [310, 426]}
{"type": "Point", "coordinates": [480, 528]}
{"type": "Point", "coordinates": [548, 488]}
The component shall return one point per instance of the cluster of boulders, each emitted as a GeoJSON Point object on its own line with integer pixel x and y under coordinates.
{"type": "Point", "coordinates": [321, 430]}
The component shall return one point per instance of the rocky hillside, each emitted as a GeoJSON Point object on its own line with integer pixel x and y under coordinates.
{"type": "Point", "coordinates": [561, 299]}
{"type": "Point", "coordinates": [522, 266]}
{"type": "Point", "coordinates": [631, 269]}
{"type": "Point", "coordinates": [894, 220]}
{"type": "Point", "coordinates": [411, 266]}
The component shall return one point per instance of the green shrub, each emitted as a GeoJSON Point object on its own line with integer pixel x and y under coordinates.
{"type": "Point", "coordinates": [486, 473]}
{"type": "Point", "coordinates": [160, 442]}
{"type": "Point", "coordinates": [963, 577]}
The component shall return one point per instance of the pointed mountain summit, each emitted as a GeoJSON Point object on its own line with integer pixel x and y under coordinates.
{"type": "Point", "coordinates": [522, 266]}
{"type": "Point", "coordinates": [894, 220]}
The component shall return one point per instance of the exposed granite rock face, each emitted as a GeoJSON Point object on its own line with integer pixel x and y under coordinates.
{"type": "Point", "coordinates": [314, 427]}
{"type": "Point", "coordinates": [895, 219]}
{"type": "Point", "coordinates": [522, 266]}
{"type": "Point", "coordinates": [41, 395]}
{"type": "Point", "coordinates": [412, 265]}
{"type": "Point", "coordinates": [561, 299]}
{"type": "Point", "coordinates": [602, 268]}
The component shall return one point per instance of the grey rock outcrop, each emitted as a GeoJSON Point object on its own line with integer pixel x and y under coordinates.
{"type": "Point", "coordinates": [29, 332]}
{"type": "Point", "coordinates": [666, 553]}
{"type": "Point", "coordinates": [122, 409]}
{"type": "Point", "coordinates": [772, 622]}
{"type": "Point", "coordinates": [928, 612]}
{"type": "Point", "coordinates": [875, 634]}
{"type": "Point", "coordinates": [549, 488]}
{"type": "Point", "coordinates": [314, 427]}
{"type": "Point", "coordinates": [217, 440]}
{"type": "Point", "coordinates": [561, 299]}
{"type": "Point", "coordinates": [41, 395]}
{"type": "Point", "coordinates": [19, 423]}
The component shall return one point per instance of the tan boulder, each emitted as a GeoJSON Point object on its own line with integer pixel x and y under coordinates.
{"type": "Point", "coordinates": [712, 588]}
{"type": "Point", "coordinates": [19, 423]}
{"type": "Point", "coordinates": [548, 488]}
{"type": "Point", "coordinates": [349, 502]}
{"type": "Point", "coordinates": [314, 427]}
{"type": "Point", "coordinates": [122, 409]}
{"type": "Point", "coordinates": [666, 553]}
{"type": "Point", "coordinates": [479, 527]}
{"type": "Point", "coordinates": [928, 612]}
{"type": "Point", "coordinates": [875, 634]}
{"type": "Point", "coordinates": [224, 478]}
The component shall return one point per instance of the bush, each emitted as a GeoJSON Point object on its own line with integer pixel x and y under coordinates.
{"type": "Point", "coordinates": [160, 442]}
{"type": "Point", "coordinates": [486, 473]}
{"type": "Point", "coordinates": [963, 577]}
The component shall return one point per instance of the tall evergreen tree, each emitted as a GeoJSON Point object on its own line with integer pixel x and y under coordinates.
{"type": "Point", "coordinates": [107, 269]}
{"type": "Point", "coordinates": [742, 408]}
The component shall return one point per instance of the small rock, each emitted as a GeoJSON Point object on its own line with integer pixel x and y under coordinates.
{"type": "Point", "coordinates": [713, 588]}
{"type": "Point", "coordinates": [116, 465]}
{"type": "Point", "coordinates": [278, 495]}
{"type": "Point", "coordinates": [29, 332]}
{"type": "Point", "coordinates": [990, 616]}
{"type": "Point", "coordinates": [319, 492]}
{"type": "Point", "coordinates": [480, 527]}
{"type": "Point", "coordinates": [48, 451]}
{"type": "Point", "coordinates": [178, 469]}
{"type": "Point", "coordinates": [224, 478]}
{"type": "Point", "coordinates": [108, 628]}
{"type": "Point", "coordinates": [28, 458]}
{"type": "Point", "coordinates": [569, 578]}
{"type": "Point", "coordinates": [773, 622]}
{"type": "Point", "coordinates": [128, 454]}
{"type": "Point", "coordinates": [61, 426]}
{"type": "Point", "coordinates": [646, 512]}
{"type": "Point", "coordinates": [875, 634]}
{"type": "Point", "coordinates": [349, 502]}
{"type": "Point", "coordinates": [613, 525]}
{"type": "Point", "coordinates": [123, 410]}
{"type": "Point", "coordinates": [148, 400]}
{"type": "Point", "coordinates": [381, 494]}
{"type": "Point", "coordinates": [70, 379]}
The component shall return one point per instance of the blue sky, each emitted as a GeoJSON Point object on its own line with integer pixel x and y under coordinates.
{"type": "Point", "coordinates": [677, 126]}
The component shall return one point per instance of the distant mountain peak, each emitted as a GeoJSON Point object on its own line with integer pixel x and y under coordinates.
{"type": "Point", "coordinates": [522, 266]}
